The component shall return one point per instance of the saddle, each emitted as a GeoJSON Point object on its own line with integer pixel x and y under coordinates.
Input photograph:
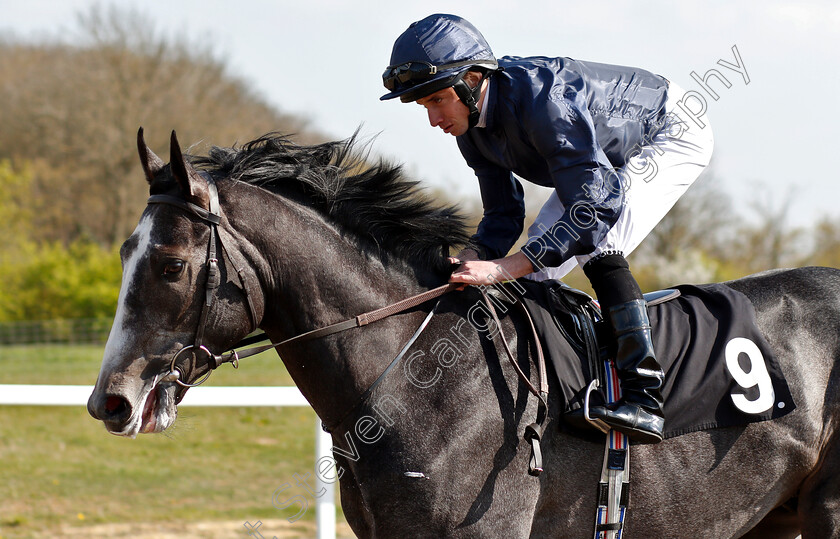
{"type": "Point", "coordinates": [706, 340]}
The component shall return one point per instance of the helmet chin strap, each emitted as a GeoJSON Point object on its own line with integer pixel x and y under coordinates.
{"type": "Point", "coordinates": [470, 96]}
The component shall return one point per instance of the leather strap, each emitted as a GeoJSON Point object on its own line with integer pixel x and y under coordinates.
{"type": "Point", "coordinates": [540, 359]}
{"type": "Point", "coordinates": [213, 218]}
{"type": "Point", "coordinates": [357, 321]}
{"type": "Point", "coordinates": [364, 397]}
{"type": "Point", "coordinates": [213, 276]}
{"type": "Point", "coordinates": [533, 432]}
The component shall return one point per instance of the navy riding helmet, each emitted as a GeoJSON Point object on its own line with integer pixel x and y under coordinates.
{"type": "Point", "coordinates": [435, 53]}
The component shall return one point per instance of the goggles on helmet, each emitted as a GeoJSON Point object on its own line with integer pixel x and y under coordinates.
{"type": "Point", "coordinates": [407, 72]}
{"type": "Point", "coordinates": [418, 72]}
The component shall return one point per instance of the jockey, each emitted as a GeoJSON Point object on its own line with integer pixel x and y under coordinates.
{"type": "Point", "coordinates": [606, 138]}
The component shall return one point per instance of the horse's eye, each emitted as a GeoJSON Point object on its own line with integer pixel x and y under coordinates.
{"type": "Point", "coordinates": [173, 267]}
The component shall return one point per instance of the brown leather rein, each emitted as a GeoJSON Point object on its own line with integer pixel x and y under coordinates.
{"type": "Point", "coordinates": [354, 322]}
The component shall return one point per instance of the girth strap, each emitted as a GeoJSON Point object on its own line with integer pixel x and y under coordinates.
{"type": "Point", "coordinates": [614, 485]}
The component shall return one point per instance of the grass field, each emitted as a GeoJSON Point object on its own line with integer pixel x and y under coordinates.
{"type": "Point", "coordinates": [61, 472]}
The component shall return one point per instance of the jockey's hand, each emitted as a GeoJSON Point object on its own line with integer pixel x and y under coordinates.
{"type": "Point", "coordinates": [489, 272]}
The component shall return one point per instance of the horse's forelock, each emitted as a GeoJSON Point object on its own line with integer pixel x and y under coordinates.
{"type": "Point", "coordinates": [164, 183]}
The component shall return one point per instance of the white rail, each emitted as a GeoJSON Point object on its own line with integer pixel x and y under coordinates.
{"type": "Point", "coordinates": [63, 395]}
{"type": "Point", "coordinates": [66, 395]}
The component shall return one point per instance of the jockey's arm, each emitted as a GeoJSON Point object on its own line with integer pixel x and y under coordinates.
{"type": "Point", "coordinates": [489, 272]}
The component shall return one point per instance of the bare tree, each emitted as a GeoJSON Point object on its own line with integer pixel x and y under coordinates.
{"type": "Point", "coordinates": [771, 242]}
{"type": "Point", "coordinates": [72, 111]}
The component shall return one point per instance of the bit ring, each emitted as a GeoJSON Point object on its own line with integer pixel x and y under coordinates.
{"type": "Point", "coordinates": [178, 374]}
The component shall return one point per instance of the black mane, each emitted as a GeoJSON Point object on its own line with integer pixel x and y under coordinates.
{"type": "Point", "coordinates": [375, 202]}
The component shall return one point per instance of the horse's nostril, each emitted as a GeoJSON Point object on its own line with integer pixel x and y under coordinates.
{"type": "Point", "coordinates": [115, 406]}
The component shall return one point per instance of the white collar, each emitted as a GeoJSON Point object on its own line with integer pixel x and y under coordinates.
{"type": "Point", "coordinates": [482, 109]}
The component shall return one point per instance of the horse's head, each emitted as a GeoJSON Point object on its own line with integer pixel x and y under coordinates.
{"type": "Point", "coordinates": [161, 308]}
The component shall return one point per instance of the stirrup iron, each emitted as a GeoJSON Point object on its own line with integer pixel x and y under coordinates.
{"type": "Point", "coordinates": [597, 423]}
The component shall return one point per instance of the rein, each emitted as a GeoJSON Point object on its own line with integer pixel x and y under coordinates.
{"type": "Point", "coordinates": [357, 321]}
{"type": "Point", "coordinates": [354, 322]}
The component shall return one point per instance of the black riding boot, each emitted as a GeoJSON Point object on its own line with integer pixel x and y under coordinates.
{"type": "Point", "coordinates": [638, 413]}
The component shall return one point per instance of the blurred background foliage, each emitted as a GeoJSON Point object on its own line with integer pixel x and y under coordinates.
{"type": "Point", "coordinates": [71, 188]}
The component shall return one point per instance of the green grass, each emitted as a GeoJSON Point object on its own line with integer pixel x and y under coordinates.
{"type": "Point", "coordinates": [59, 467]}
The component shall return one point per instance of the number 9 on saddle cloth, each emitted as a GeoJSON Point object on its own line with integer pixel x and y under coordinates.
{"type": "Point", "coordinates": [719, 369]}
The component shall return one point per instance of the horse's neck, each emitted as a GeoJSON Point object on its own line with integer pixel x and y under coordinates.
{"type": "Point", "coordinates": [312, 275]}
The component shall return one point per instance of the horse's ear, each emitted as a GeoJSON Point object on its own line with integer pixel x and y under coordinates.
{"type": "Point", "coordinates": [152, 164]}
{"type": "Point", "coordinates": [188, 179]}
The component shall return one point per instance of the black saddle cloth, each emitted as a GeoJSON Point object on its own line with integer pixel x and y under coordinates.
{"type": "Point", "coordinates": [719, 369]}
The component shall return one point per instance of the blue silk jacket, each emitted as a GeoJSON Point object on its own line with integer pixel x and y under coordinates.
{"type": "Point", "coordinates": [565, 124]}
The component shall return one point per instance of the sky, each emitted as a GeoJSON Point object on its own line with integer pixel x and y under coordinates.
{"type": "Point", "coordinates": [323, 60]}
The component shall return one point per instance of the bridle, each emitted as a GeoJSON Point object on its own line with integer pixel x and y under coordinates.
{"type": "Point", "coordinates": [213, 218]}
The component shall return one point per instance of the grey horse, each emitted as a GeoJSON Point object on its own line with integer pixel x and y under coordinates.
{"type": "Point", "coordinates": [308, 237]}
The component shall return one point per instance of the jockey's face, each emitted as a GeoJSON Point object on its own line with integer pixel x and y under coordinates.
{"type": "Point", "coordinates": [446, 111]}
